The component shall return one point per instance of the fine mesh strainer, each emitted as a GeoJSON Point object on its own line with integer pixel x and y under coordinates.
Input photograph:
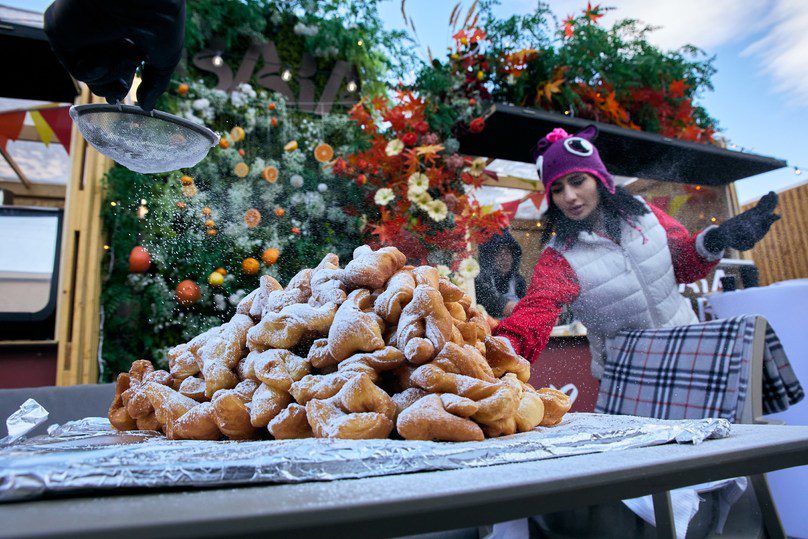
{"type": "Point", "coordinates": [147, 142]}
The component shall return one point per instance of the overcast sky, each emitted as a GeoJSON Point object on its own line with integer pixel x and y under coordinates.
{"type": "Point", "coordinates": [761, 88]}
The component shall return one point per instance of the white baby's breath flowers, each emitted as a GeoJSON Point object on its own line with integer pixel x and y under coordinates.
{"type": "Point", "coordinates": [468, 268]}
{"type": "Point", "coordinates": [418, 182]}
{"type": "Point", "coordinates": [394, 147]}
{"type": "Point", "coordinates": [384, 196]}
{"type": "Point", "coordinates": [437, 210]}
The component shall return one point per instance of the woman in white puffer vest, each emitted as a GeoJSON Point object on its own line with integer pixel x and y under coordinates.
{"type": "Point", "coordinates": [614, 258]}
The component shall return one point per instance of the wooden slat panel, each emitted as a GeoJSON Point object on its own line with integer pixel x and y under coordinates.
{"type": "Point", "coordinates": [80, 277]}
{"type": "Point", "coordinates": [783, 253]}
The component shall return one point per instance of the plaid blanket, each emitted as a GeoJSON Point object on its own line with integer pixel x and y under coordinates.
{"type": "Point", "coordinates": [695, 371]}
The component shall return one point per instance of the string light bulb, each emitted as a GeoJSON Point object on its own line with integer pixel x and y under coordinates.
{"type": "Point", "coordinates": [113, 204]}
{"type": "Point", "coordinates": [143, 201]}
{"type": "Point", "coordinates": [351, 86]}
{"type": "Point", "coordinates": [286, 76]}
{"type": "Point", "coordinates": [360, 42]}
{"type": "Point", "coordinates": [217, 60]}
{"type": "Point", "coordinates": [797, 171]}
{"type": "Point", "coordinates": [106, 247]}
{"type": "Point", "coordinates": [713, 219]}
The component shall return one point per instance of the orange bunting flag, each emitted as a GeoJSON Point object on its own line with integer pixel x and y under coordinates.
{"type": "Point", "coordinates": [10, 126]}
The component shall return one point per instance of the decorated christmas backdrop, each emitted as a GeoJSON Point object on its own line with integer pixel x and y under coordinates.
{"type": "Point", "coordinates": [329, 142]}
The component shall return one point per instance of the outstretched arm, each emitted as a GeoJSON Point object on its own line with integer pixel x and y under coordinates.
{"type": "Point", "coordinates": [553, 285]}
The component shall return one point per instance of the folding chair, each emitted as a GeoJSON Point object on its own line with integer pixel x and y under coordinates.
{"type": "Point", "coordinates": [629, 359]}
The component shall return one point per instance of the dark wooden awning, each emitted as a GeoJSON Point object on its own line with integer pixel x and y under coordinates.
{"type": "Point", "coordinates": [511, 133]}
{"type": "Point", "coordinates": [30, 69]}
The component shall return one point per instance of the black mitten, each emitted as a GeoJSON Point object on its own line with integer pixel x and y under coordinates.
{"type": "Point", "coordinates": [743, 231]}
{"type": "Point", "coordinates": [103, 42]}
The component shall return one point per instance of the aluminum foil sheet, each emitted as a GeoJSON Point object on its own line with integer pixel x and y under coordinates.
{"type": "Point", "coordinates": [90, 455]}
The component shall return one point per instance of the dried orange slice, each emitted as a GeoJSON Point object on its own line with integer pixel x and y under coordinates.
{"type": "Point", "coordinates": [252, 218]}
{"type": "Point", "coordinates": [280, 212]}
{"type": "Point", "coordinates": [270, 174]}
{"type": "Point", "coordinates": [241, 169]}
{"type": "Point", "coordinates": [237, 134]}
{"type": "Point", "coordinates": [323, 152]}
{"type": "Point", "coordinates": [186, 180]}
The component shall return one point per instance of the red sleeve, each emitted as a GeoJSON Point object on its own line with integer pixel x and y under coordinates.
{"type": "Point", "coordinates": [553, 285]}
{"type": "Point", "coordinates": [688, 264]}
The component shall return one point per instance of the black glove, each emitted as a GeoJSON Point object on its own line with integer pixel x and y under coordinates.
{"type": "Point", "coordinates": [103, 42]}
{"type": "Point", "coordinates": [743, 231]}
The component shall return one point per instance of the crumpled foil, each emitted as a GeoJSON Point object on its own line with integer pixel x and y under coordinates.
{"type": "Point", "coordinates": [90, 455]}
{"type": "Point", "coordinates": [23, 421]}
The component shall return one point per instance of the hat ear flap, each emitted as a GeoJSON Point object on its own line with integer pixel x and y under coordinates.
{"type": "Point", "coordinates": [589, 133]}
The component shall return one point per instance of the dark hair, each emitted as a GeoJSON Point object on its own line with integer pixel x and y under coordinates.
{"type": "Point", "coordinates": [617, 206]}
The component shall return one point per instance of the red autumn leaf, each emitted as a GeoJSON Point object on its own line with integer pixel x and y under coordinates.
{"type": "Point", "coordinates": [592, 13]}
{"type": "Point", "coordinates": [677, 88]}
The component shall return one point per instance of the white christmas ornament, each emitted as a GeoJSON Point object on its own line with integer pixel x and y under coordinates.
{"type": "Point", "coordinates": [296, 181]}
{"type": "Point", "coordinates": [322, 187]}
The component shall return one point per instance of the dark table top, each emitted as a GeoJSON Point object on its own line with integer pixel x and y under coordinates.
{"type": "Point", "coordinates": [412, 503]}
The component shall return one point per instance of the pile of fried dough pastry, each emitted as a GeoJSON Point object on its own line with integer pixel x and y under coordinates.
{"type": "Point", "coordinates": [354, 352]}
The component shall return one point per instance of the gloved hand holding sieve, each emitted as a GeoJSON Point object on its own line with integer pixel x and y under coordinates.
{"type": "Point", "coordinates": [102, 43]}
{"type": "Point", "coordinates": [146, 142]}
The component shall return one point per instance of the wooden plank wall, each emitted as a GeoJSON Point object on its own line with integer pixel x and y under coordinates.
{"type": "Point", "coordinates": [78, 312]}
{"type": "Point", "coordinates": [783, 253]}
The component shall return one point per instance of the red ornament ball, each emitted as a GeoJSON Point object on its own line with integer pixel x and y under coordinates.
{"type": "Point", "coordinates": [187, 293]}
{"type": "Point", "coordinates": [139, 260]}
{"type": "Point", "coordinates": [409, 139]}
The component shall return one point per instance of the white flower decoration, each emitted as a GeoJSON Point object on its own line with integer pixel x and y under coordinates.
{"type": "Point", "coordinates": [420, 199]}
{"type": "Point", "coordinates": [437, 210]}
{"type": "Point", "coordinates": [477, 166]}
{"type": "Point", "coordinates": [394, 147]}
{"type": "Point", "coordinates": [468, 268]}
{"type": "Point", "coordinates": [443, 270]}
{"type": "Point", "coordinates": [418, 182]}
{"type": "Point", "coordinates": [384, 196]}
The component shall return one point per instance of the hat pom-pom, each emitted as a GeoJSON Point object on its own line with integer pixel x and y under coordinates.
{"type": "Point", "coordinates": [557, 134]}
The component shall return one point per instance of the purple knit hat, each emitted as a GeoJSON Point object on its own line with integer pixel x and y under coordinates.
{"type": "Point", "coordinates": [560, 153]}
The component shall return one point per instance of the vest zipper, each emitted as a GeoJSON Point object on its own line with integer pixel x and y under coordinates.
{"type": "Point", "coordinates": [643, 286]}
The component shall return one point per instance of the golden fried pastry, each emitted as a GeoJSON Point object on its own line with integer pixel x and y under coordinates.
{"type": "Point", "coordinates": [221, 354]}
{"type": "Point", "coordinates": [424, 321]}
{"type": "Point", "coordinates": [267, 286]}
{"type": "Point", "coordinates": [193, 388]}
{"type": "Point", "coordinates": [198, 423]}
{"type": "Point", "coordinates": [450, 291]}
{"type": "Point", "coordinates": [398, 293]}
{"type": "Point", "coordinates": [456, 309]}
{"type": "Point", "coordinates": [320, 355]}
{"type": "Point", "coordinates": [231, 410]}
{"type": "Point", "coordinates": [359, 411]}
{"type": "Point", "coordinates": [430, 418]}
{"type": "Point", "coordinates": [170, 406]}
{"type": "Point", "coordinates": [503, 359]}
{"type": "Point", "coordinates": [406, 398]}
{"type": "Point", "coordinates": [426, 275]}
{"type": "Point", "coordinates": [372, 363]}
{"type": "Point", "coordinates": [371, 269]}
{"type": "Point", "coordinates": [531, 409]}
{"type": "Point", "coordinates": [298, 290]}
{"type": "Point", "coordinates": [292, 324]}
{"type": "Point", "coordinates": [134, 398]}
{"type": "Point", "coordinates": [355, 327]}
{"type": "Point", "coordinates": [182, 362]}
{"type": "Point", "coordinates": [319, 386]}
{"type": "Point", "coordinates": [326, 286]}
{"type": "Point", "coordinates": [267, 402]}
{"type": "Point", "coordinates": [119, 418]}
{"type": "Point", "coordinates": [280, 368]}
{"type": "Point", "coordinates": [291, 423]}
{"type": "Point", "coordinates": [556, 404]}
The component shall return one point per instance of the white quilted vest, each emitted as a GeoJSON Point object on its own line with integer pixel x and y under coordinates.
{"type": "Point", "coordinates": [627, 286]}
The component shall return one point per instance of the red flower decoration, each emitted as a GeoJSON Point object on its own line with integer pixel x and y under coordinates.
{"type": "Point", "coordinates": [409, 139]}
{"type": "Point", "coordinates": [422, 127]}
